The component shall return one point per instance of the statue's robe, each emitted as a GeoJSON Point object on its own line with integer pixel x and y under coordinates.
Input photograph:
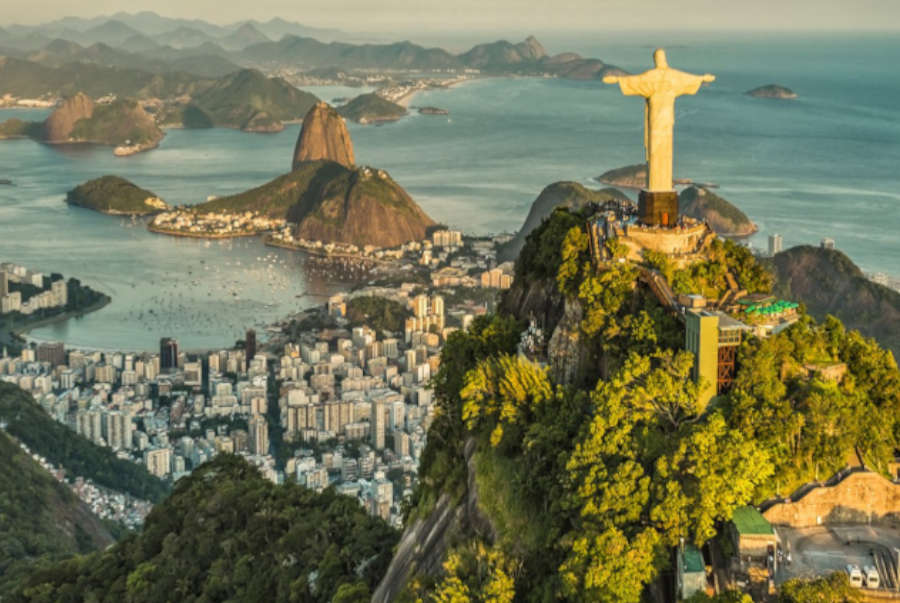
{"type": "Point", "coordinates": [659, 86]}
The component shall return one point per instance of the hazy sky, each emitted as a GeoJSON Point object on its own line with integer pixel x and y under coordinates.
{"type": "Point", "coordinates": [450, 15]}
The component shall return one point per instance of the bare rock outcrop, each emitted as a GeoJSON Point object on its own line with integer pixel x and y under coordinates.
{"type": "Point", "coordinates": [324, 135]}
{"type": "Point", "coordinates": [59, 125]}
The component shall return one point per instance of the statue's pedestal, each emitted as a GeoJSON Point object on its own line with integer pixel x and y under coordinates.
{"type": "Point", "coordinates": [658, 208]}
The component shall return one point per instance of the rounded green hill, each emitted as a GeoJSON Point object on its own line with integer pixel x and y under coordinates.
{"type": "Point", "coordinates": [116, 196]}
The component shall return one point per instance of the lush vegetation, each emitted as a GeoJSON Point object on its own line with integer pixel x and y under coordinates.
{"type": "Point", "coordinates": [709, 277]}
{"type": "Point", "coordinates": [112, 194]}
{"type": "Point", "coordinates": [810, 423]}
{"type": "Point", "coordinates": [542, 254]}
{"type": "Point", "coordinates": [835, 588]}
{"type": "Point", "coordinates": [588, 487]}
{"type": "Point", "coordinates": [64, 448]}
{"type": "Point", "coordinates": [226, 533]}
{"type": "Point", "coordinates": [278, 197]}
{"type": "Point", "coordinates": [370, 107]}
{"type": "Point", "coordinates": [570, 195]}
{"type": "Point", "coordinates": [828, 282]}
{"type": "Point", "coordinates": [28, 79]}
{"type": "Point", "coordinates": [380, 313]}
{"type": "Point", "coordinates": [442, 466]}
{"type": "Point", "coordinates": [248, 100]}
{"type": "Point", "coordinates": [122, 121]}
{"type": "Point", "coordinates": [40, 518]}
{"type": "Point", "coordinates": [724, 217]}
{"type": "Point", "coordinates": [16, 128]}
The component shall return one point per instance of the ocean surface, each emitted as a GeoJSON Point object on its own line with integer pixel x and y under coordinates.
{"type": "Point", "coordinates": [824, 165]}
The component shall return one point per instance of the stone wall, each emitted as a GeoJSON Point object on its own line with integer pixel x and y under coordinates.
{"type": "Point", "coordinates": [677, 243]}
{"type": "Point", "coordinates": [860, 497]}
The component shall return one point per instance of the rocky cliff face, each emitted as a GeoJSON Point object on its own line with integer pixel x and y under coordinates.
{"type": "Point", "coordinates": [828, 282]}
{"type": "Point", "coordinates": [59, 125]}
{"type": "Point", "coordinates": [723, 217]}
{"type": "Point", "coordinates": [424, 543]}
{"type": "Point", "coordinates": [324, 135]}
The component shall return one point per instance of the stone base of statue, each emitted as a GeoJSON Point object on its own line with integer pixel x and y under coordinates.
{"type": "Point", "coordinates": [658, 208]}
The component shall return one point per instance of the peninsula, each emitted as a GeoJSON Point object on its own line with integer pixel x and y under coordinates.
{"type": "Point", "coordinates": [31, 299]}
{"type": "Point", "coordinates": [324, 200]}
{"type": "Point", "coordinates": [722, 216]}
{"type": "Point", "coordinates": [631, 176]}
{"type": "Point", "coordinates": [121, 123]}
{"type": "Point", "coordinates": [116, 196]}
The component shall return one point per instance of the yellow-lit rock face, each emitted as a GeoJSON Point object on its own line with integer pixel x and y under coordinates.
{"type": "Point", "coordinates": [660, 87]}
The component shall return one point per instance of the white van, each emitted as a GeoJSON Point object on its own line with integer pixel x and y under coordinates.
{"type": "Point", "coordinates": [856, 576]}
{"type": "Point", "coordinates": [872, 580]}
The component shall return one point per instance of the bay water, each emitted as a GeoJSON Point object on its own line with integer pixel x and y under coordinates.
{"type": "Point", "coordinates": [824, 165]}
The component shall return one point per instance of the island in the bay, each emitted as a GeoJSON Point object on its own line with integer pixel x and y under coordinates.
{"type": "Point", "coordinates": [114, 195]}
{"type": "Point", "coordinates": [371, 108]}
{"type": "Point", "coordinates": [433, 111]}
{"type": "Point", "coordinates": [121, 123]}
{"type": "Point", "coordinates": [773, 91]}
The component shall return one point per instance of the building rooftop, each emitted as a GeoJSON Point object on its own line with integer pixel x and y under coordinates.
{"type": "Point", "coordinates": [726, 322]}
{"type": "Point", "coordinates": [692, 560]}
{"type": "Point", "coordinates": [747, 520]}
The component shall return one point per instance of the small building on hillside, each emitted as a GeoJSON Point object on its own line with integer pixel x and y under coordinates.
{"type": "Point", "coordinates": [752, 534]}
{"type": "Point", "coordinates": [713, 338]}
{"type": "Point", "coordinates": [691, 571]}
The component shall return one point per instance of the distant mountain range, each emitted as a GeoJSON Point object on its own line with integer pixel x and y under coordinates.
{"type": "Point", "coordinates": [155, 44]}
{"type": "Point", "coordinates": [115, 29]}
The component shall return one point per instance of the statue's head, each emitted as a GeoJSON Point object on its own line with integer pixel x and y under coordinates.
{"type": "Point", "coordinates": [659, 58]}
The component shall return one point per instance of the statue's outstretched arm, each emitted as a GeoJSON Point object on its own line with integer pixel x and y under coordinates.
{"type": "Point", "coordinates": [610, 79]}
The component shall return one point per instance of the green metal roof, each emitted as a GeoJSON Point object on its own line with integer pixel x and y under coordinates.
{"type": "Point", "coordinates": [748, 520]}
{"type": "Point", "coordinates": [692, 560]}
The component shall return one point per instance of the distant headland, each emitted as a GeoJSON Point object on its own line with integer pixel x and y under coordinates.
{"type": "Point", "coordinates": [773, 91]}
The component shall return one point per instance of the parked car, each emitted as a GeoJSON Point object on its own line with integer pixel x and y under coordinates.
{"type": "Point", "coordinates": [872, 578]}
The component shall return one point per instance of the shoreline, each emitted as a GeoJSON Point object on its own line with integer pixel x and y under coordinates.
{"type": "Point", "coordinates": [405, 100]}
{"type": "Point", "coordinates": [323, 254]}
{"type": "Point", "coordinates": [321, 301]}
{"type": "Point", "coordinates": [21, 332]}
{"type": "Point", "coordinates": [200, 235]}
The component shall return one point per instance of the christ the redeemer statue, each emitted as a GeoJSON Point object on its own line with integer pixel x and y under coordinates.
{"type": "Point", "coordinates": [659, 87]}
